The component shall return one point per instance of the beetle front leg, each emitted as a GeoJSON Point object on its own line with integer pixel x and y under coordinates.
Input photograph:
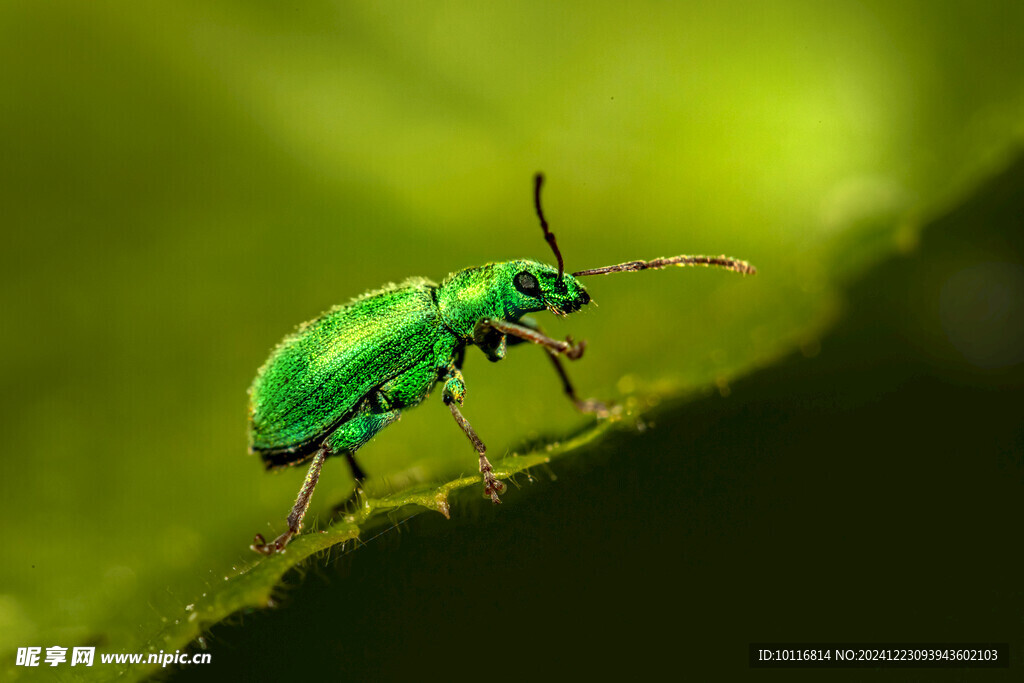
{"type": "Point", "coordinates": [588, 405]}
{"type": "Point", "coordinates": [454, 394]}
{"type": "Point", "coordinates": [484, 329]}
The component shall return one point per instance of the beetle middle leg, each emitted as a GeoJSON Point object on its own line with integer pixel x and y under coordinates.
{"type": "Point", "coordinates": [346, 439]}
{"type": "Point", "coordinates": [454, 394]}
{"type": "Point", "coordinates": [587, 405]}
{"type": "Point", "coordinates": [358, 476]}
{"type": "Point", "coordinates": [357, 472]}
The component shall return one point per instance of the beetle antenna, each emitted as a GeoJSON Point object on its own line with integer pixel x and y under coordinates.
{"type": "Point", "coordinates": [709, 261]}
{"type": "Point", "coordinates": [538, 181]}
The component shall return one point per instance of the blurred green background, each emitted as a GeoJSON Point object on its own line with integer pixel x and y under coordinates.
{"type": "Point", "coordinates": [182, 183]}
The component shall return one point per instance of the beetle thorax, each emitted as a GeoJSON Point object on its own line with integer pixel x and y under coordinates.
{"type": "Point", "coordinates": [472, 294]}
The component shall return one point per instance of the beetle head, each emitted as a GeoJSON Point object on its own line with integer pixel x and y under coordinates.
{"type": "Point", "coordinates": [533, 286]}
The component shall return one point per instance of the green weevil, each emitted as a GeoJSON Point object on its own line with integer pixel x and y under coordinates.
{"type": "Point", "coordinates": [331, 386]}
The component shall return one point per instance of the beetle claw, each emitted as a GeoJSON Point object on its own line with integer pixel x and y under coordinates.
{"type": "Point", "coordinates": [492, 485]}
{"type": "Point", "coordinates": [260, 545]}
{"type": "Point", "coordinates": [575, 351]}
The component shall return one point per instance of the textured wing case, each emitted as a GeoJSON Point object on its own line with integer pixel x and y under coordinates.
{"type": "Point", "coordinates": [317, 375]}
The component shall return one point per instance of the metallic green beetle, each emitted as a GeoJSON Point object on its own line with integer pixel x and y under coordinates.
{"type": "Point", "coordinates": [331, 386]}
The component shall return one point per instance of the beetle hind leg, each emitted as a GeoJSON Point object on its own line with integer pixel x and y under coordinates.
{"type": "Point", "coordinates": [298, 510]}
{"type": "Point", "coordinates": [346, 439]}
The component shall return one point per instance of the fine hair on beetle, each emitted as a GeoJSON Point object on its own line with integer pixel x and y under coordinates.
{"type": "Point", "coordinates": [630, 266]}
{"type": "Point", "coordinates": [331, 386]}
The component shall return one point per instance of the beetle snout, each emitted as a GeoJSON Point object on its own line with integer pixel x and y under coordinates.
{"type": "Point", "coordinates": [576, 304]}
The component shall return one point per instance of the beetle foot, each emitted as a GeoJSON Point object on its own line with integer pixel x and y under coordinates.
{"type": "Point", "coordinates": [260, 545]}
{"type": "Point", "coordinates": [492, 485]}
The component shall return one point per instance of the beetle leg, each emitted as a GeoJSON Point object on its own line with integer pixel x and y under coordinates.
{"type": "Point", "coordinates": [357, 472]}
{"type": "Point", "coordinates": [490, 341]}
{"type": "Point", "coordinates": [588, 405]}
{"type": "Point", "coordinates": [492, 485]}
{"type": "Point", "coordinates": [454, 394]}
{"type": "Point", "coordinates": [571, 350]}
{"type": "Point", "coordinates": [358, 476]}
{"type": "Point", "coordinates": [346, 439]}
{"type": "Point", "coordinates": [298, 511]}
{"type": "Point", "coordinates": [454, 386]}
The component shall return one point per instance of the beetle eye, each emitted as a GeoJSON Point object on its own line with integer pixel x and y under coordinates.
{"type": "Point", "coordinates": [526, 283]}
